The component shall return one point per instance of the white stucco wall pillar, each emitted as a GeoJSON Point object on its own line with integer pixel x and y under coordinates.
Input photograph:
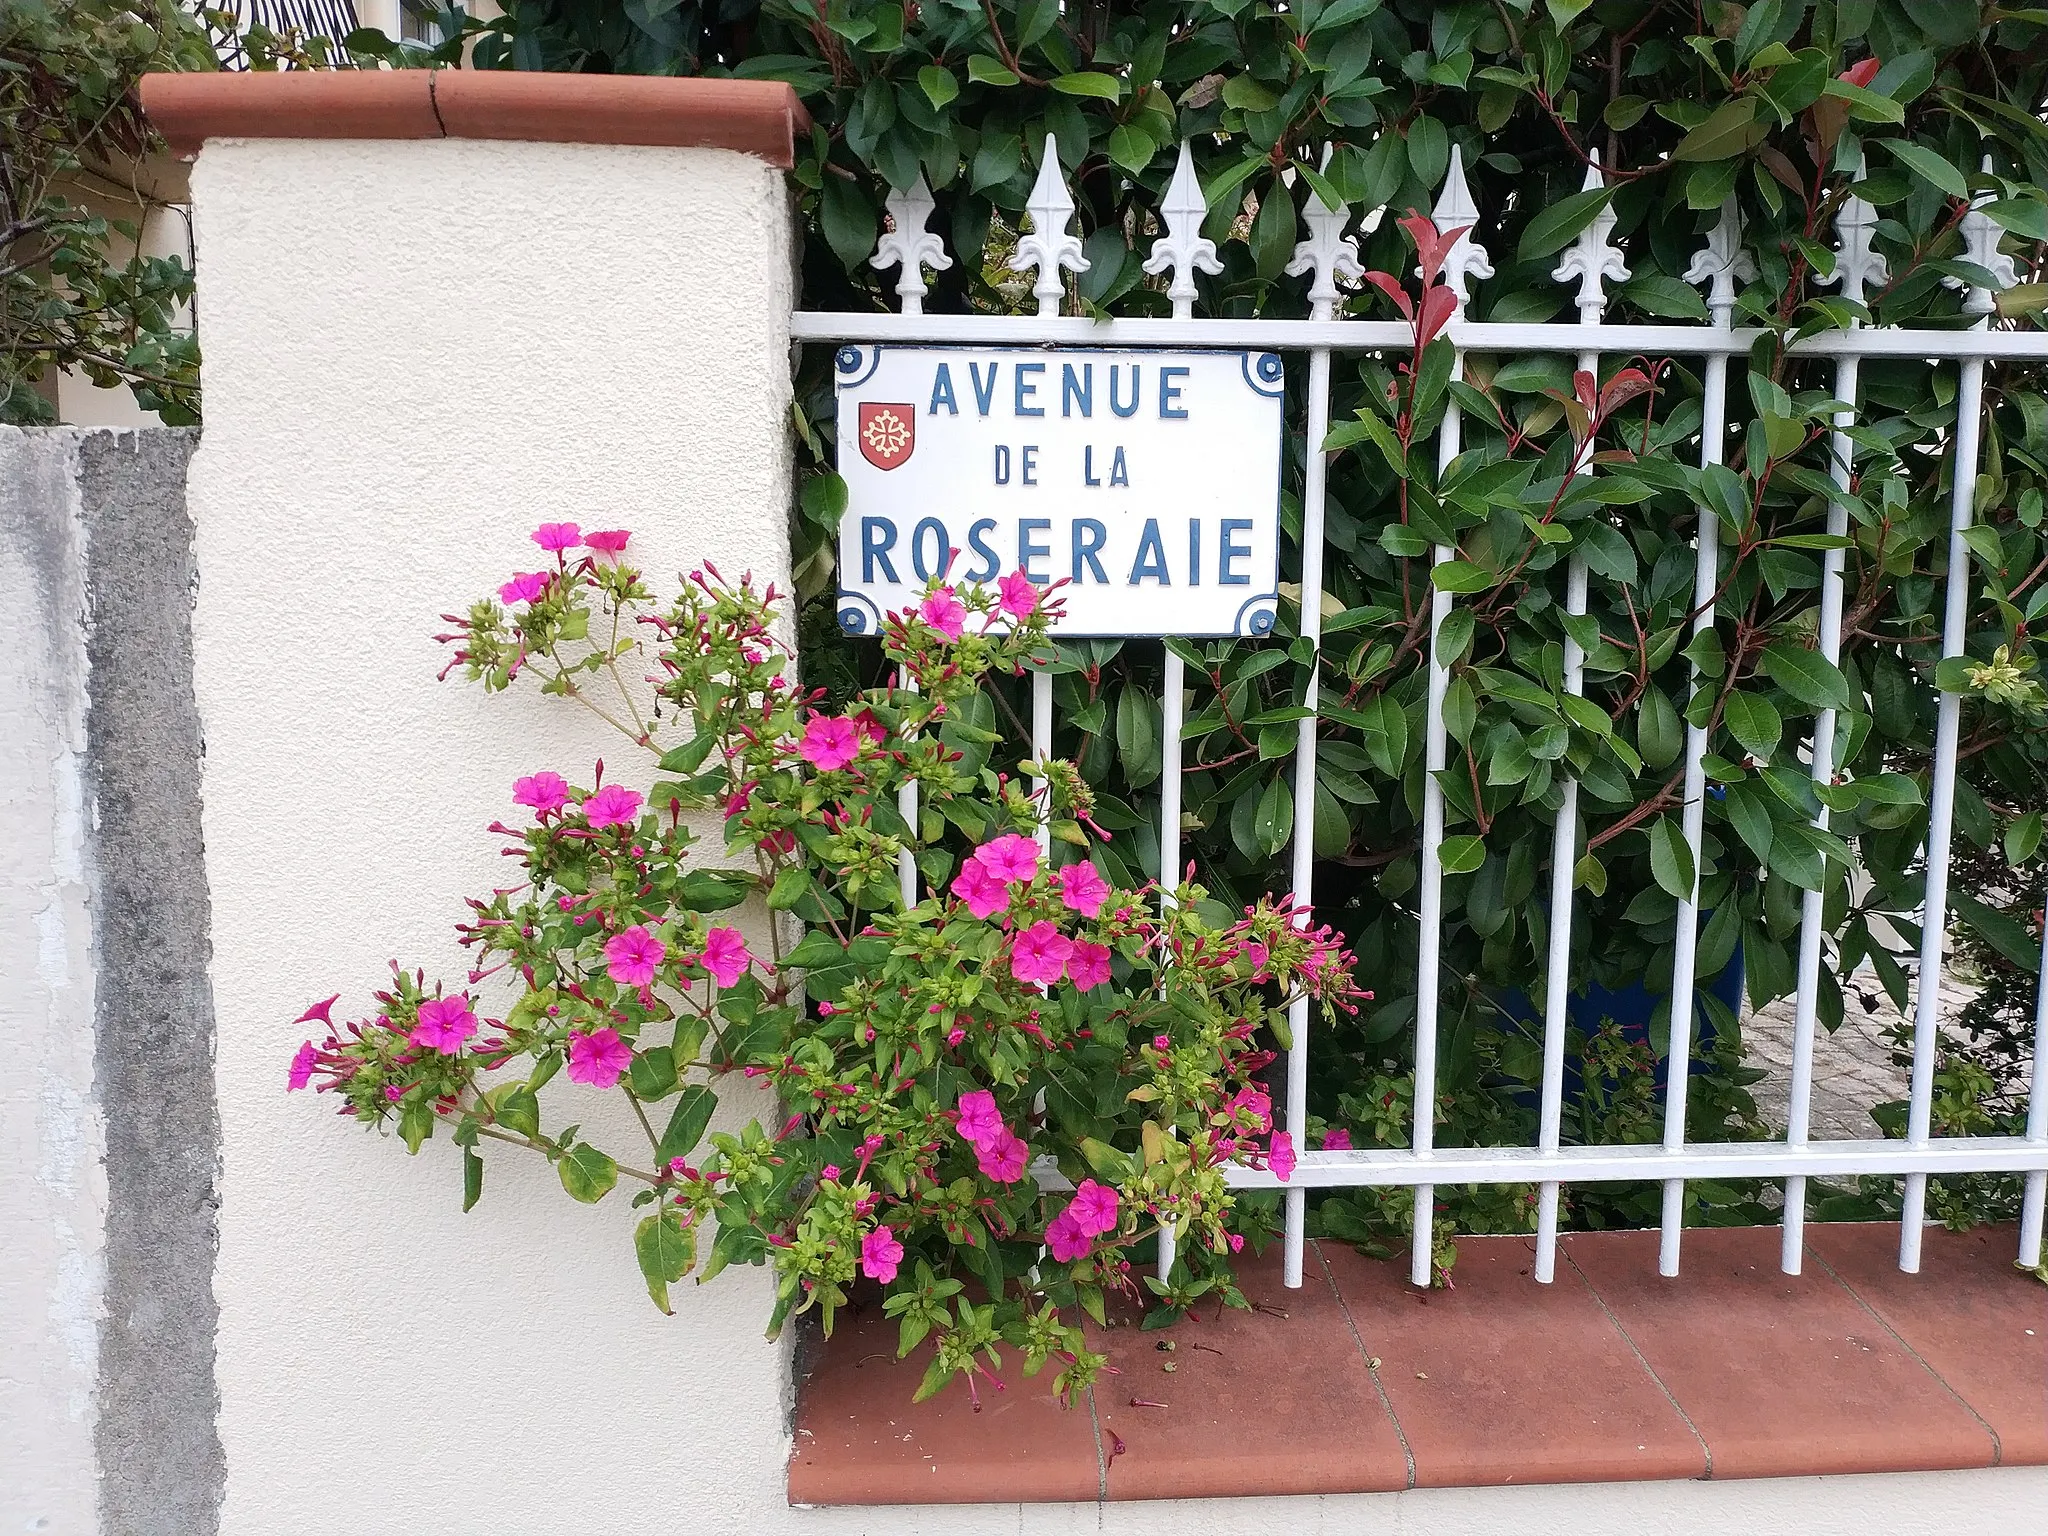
{"type": "Point", "coordinates": [416, 350]}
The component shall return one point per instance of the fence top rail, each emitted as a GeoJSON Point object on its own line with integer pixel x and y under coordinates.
{"type": "Point", "coordinates": [1472, 336]}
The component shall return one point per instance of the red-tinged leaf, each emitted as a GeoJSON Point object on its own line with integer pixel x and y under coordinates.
{"type": "Point", "coordinates": [1622, 388]}
{"type": "Point", "coordinates": [1585, 388]}
{"type": "Point", "coordinates": [1430, 245]}
{"type": "Point", "coordinates": [1388, 284]}
{"type": "Point", "coordinates": [1438, 305]}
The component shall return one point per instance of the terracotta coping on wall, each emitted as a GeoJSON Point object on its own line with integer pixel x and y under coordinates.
{"type": "Point", "coordinates": [755, 117]}
{"type": "Point", "coordinates": [1359, 1383]}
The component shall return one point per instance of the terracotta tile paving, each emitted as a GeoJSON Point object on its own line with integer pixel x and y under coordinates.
{"type": "Point", "coordinates": [1978, 1323]}
{"type": "Point", "coordinates": [1611, 1373]}
{"type": "Point", "coordinates": [1503, 1380]}
{"type": "Point", "coordinates": [1241, 1389]}
{"type": "Point", "coordinates": [1781, 1374]}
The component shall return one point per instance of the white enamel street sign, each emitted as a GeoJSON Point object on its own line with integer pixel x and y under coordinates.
{"type": "Point", "coordinates": [1148, 480]}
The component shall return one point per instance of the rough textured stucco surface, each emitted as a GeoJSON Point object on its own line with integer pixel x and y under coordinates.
{"type": "Point", "coordinates": [159, 1457]}
{"type": "Point", "coordinates": [52, 1194]}
{"type": "Point", "coordinates": [415, 352]}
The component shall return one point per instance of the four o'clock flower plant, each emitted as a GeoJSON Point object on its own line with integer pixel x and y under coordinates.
{"type": "Point", "coordinates": [992, 1100]}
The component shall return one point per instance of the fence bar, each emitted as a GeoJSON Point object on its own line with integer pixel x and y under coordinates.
{"type": "Point", "coordinates": [1041, 750]}
{"type": "Point", "coordinates": [1941, 802]}
{"type": "Point", "coordinates": [1564, 845]}
{"type": "Point", "coordinates": [1326, 253]}
{"type": "Point", "coordinates": [1395, 335]}
{"type": "Point", "coordinates": [1592, 259]}
{"type": "Point", "coordinates": [2036, 1198]}
{"type": "Point", "coordinates": [906, 806]}
{"type": "Point", "coordinates": [1980, 245]}
{"type": "Point", "coordinates": [1812, 919]}
{"type": "Point", "coordinates": [1721, 264]}
{"type": "Point", "coordinates": [1464, 261]}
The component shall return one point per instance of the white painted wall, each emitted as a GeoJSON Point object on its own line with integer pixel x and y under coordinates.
{"type": "Point", "coordinates": [53, 1197]}
{"type": "Point", "coordinates": [416, 351]}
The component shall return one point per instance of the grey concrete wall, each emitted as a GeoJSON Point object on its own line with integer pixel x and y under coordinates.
{"type": "Point", "coordinates": [109, 1140]}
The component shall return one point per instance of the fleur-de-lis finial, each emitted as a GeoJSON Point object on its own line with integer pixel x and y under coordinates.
{"type": "Point", "coordinates": [1455, 209]}
{"type": "Point", "coordinates": [1182, 250]}
{"type": "Point", "coordinates": [1591, 259]}
{"type": "Point", "coordinates": [1327, 252]}
{"type": "Point", "coordinates": [1723, 263]}
{"type": "Point", "coordinates": [1980, 245]}
{"type": "Point", "coordinates": [1049, 247]}
{"type": "Point", "coordinates": [1857, 266]}
{"type": "Point", "coordinates": [910, 246]}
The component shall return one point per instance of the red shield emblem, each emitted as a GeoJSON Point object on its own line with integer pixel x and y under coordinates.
{"type": "Point", "coordinates": [888, 433]}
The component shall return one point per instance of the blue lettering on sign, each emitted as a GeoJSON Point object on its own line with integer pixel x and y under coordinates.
{"type": "Point", "coordinates": [877, 538]}
{"type": "Point", "coordinates": [977, 540]}
{"type": "Point", "coordinates": [1114, 404]}
{"type": "Point", "coordinates": [1169, 392]}
{"type": "Point", "coordinates": [1002, 463]}
{"type": "Point", "coordinates": [1119, 471]}
{"type": "Point", "coordinates": [1028, 548]}
{"type": "Point", "coordinates": [1089, 537]}
{"type": "Point", "coordinates": [941, 555]}
{"type": "Point", "coordinates": [1151, 562]}
{"type": "Point", "coordinates": [942, 391]}
{"type": "Point", "coordinates": [1088, 466]}
{"type": "Point", "coordinates": [1194, 551]}
{"type": "Point", "coordinates": [1027, 466]}
{"type": "Point", "coordinates": [1077, 390]}
{"type": "Point", "coordinates": [1026, 390]}
{"type": "Point", "coordinates": [984, 394]}
{"type": "Point", "coordinates": [1228, 549]}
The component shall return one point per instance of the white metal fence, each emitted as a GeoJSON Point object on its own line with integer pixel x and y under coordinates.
{"type": "Point", "coordinates": [1327, 255]}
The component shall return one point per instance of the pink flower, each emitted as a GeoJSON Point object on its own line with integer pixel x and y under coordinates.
{"type": "Point", "coordinates": [725, 955]}
{"type": "Point", "coordinates": [980, 1121]}
{"type": "Point", "coordinates": [829, 1172]}
{"type": "Point", "coordinates": [302, 1068]}
{"type": "Point", "coordinates": [1094, 1208]}
{"type": "Point", "coordinates": [829, 742]}
{"type": "Point", "coordinates": [984, 894]}
{"type": "Point", "coordinates": [1281, 1158]}
{"type": "Point", "coordinates": [1257, 1103]}
{"type": "Point", "coordinates": [1083, 888]}
{"type": "Point", "coordinates": [1040, 954]}
{"type": "Point", "coordinates": [1336, 1139]}
{"type": "Point", "coordinates": [1088, 965]}
{"type": "Point", "coordinates": [606, 541]}
{"type": "Point", "coordinates": [1009, 858]}
{"type": "Point", "coordinates": [611, 806]}
{"type": "Point", "coordinates": [1258, 955]}
{"type": "Point", "coordinates": [545, 792]}
{"type": "Point", "coordinates": [556, 536]}
{"type": "Point", "coordinates": [1066, 1239]}
{"type": "Point", "coordinates": [1002, 1159]}
{"type": "Point", "coordinates": [880, 1253]}
{"type": "Point", "coordinates": [598, 1058]}
{"type": "Point", "coordinates": [318, 1013]}
{"type": "Point", "coordinates": [944, 612]}
{"type": "Point", "coordinates": [524, 586]}
{"type": "Point", "coordinates": [444, 1023]}
{"type": "Point", "coordinates": [633, 955]}
{"type": "Point", "coordinates": [1019, 595]}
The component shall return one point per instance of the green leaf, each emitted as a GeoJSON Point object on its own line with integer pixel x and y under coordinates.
{"type": "Point", "coordinates": [2022, 838]}
{"type": "Point", "coordinates": [1928, 166]}
{"type": "Point", "coordinates": [1751, 819]}
{"type": "Point", "coordinates": [586, 1173]}
{"type": "Point", "coordinates": [848, 219]}
{"type": "Point", "coordinates": [653, 1074]}
{"type": "Point", "coordinates": [790, 887]}
{"type": "Point", "coordinates": [939, 88]}
{"type": "Point", "coordinates": [2001, 930]}
{"type": "Point", "coordinates": [1656, 294]}
{"type": "Point", "coordinates": [984, 69]}
{"type": "Point", "coordinates": [1462, 855]}
{"type": "Point", "coordinates": [1089, 82]}
{"type": "Point", "coordinates": [1658, 737]}
{"type": "Point", "coordinates": [686, 1123]}
{"type": "Point", "coordinates": [1807, 675]}
{"type": "Point", "coordinates": [1754, 721]}
{"type": "Point", "coordinates": [472, 1179]}
{"type": "Point", "coordinates": [1248, 95]}
{"type": "Point", "coordinates": [1558, 224]}
{"type": "Point", "coordinates": [1671, 859]}
{"type": "Point", "coordinates": [1589, 874]}
{"type": "Point", "coordinates": [1274, 821]}
{"type": "Point", "coordinates": [1728, 130]}
{"type": "Point", "coordinates": [1460, 576]}
{"type": "Point", "coordinates": [516, 1109]}
{"type": "Point", "coordinates": [1131, 147]}
{"type": "Point", "coordinates": [1429, 150]}
{"type": "Point", "coordinates": [666, 1249]}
